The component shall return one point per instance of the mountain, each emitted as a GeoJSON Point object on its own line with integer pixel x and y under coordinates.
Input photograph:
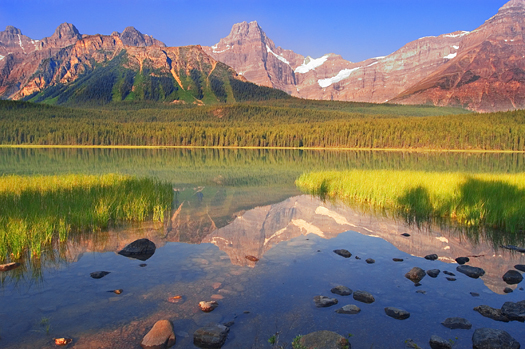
{"type": "Point", "coordinates": [70, 68]}
{"type": "Point", "coordinates": [488, 72]}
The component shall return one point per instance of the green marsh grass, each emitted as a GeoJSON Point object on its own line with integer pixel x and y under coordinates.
{"type": "Point", "coordinates": [493, 202]}
{"type": "Point", "coordinates": [38, 211]}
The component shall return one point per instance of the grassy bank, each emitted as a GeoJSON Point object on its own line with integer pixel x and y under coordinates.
{"type": "Point", "coordinates": [38, 211]}
{"type": "Point", "coordinates": [493, 201]}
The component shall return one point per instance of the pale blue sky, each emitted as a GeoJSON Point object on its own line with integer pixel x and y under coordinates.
{"type": "Point", "coordinates": [354, 29]}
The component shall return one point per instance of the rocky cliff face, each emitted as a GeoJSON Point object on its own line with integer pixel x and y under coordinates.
{"type": "Point", "coordinates": [488, 72]}
{"type": "Point", "coordinates": [132, 37]}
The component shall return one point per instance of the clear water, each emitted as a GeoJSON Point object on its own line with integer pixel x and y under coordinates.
{"type": "Point", "coordinates": [250, 207]}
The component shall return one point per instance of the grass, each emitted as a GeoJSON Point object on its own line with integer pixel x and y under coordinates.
{"type": "Point", "coordinates": [482, 201]}
{"type": "Point", "coordinates": [39, 211]}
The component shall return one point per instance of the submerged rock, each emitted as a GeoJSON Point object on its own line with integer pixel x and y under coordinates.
{"type": "Point", "coordinates": [342, 291]}
{"type": "Point", "coordinates": [514, 311]}
{"type": "Point", "coordinates": [363, 296]}
{"type": "Point", "coordinates": [436, 342]}
{"type": "Point", "coordinates": [211, 336]}
{"type": "Point", "coordinates": [489, 338]}
{"type": "Point", "coordinates": [396, 313]}
{"type": "Point", "coordinates": [457, 323]}
{"type": "Point", "coordinates": [473, 272]}
{"type": "Point", "coordinates": [343, 253]}
{"type": "Point", "coordinates": [397, 259]}
{"type": "Point", "coordinates": [474, 294]}
{"type": "Point", "coordinates": [324, 340]}
{"type": "Point", "coordinates": [448, 273]}
{"type": "Point", "coordinates": [462, 260]}
{"type": "Point", "coordinates": [512, 277]}
{"type": "Point", "coordinates": [161, 336]}
{"type": "Point", "coordinates": [141, 249]}
{"type": "Point", "coordinates": [508, 290]}
{"type": "Point", "coordinates": [415, 274]}
{"type": "Point", "coordinates": [370, 261]}
{"type": "Point", "coordinates": [208, 306]}
{"type": "Point", "coordinates": [450, 278]}
{"type": "Point", "coordinates": [349, 309]}
{"type": "Point", "coordinates": [323, 302]}
{"type": "Point", "coordinates": [99, 274]}
{"type": "Point", "coordinates": [433, 273]}
{"type": "Point", "coordinates": [492, 313]}
{"type": "Point", "coordinates": [431, 257]}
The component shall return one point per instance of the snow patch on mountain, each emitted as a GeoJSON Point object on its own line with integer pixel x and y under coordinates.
{"type": "Point", "coordinates": [281, 58]}
{"type": "Point", "coordinates": [1, 57]}
{"type": "Point", "coordinates": [463, 33]}
{"type": "Point", "coordinates": [311, 65]}
{"type": "Point", "coordinates": [450, 56]}
{"type": "Point", "coordinates": [214, 47]}
{"type": "Point", "coordinates": [343, 74]}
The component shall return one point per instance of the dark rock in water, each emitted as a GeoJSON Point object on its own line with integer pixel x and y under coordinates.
{"type": "Point", "coordinates": [462, 260]}
{"type": "Point", "coordinates": [431, 257]}
{"type": "Point", "coordinates": [343, 253]}
{"type": "Point", "coordinates": [324, 340]}
{"type": "Point", "coordinates": [342, 291]}
{"type": "Point", "coordinates": [472, 272]}
{"type": "Point", "coordinates": [161, 336]}
{"type": "Point", "coordinates": [492, 313]}
{"type": "Point", "coordinates": [520, 267]}
{"type": "Point", "coordinates": [323, 302]}
{"type": "Point", "coordinates": [450, 278]}
{"type": "Point", "coordinates": [405, 235]}
{"type": "Point", "coordinates": [370, 261]}
{"type": "Point", "coordinates": [436, 342]}
{"type": "Point", "coordinates": [142, 265]}
{"type": "Point", "coordinates": [417, 284]}
{"type": "Point", "coordinates": [349, 309]}
{"type": "Point", "coordinates": [512, 277]}
{"type": "Point", "coordinates": [489, 338]}
{"type": "Point", "coordinates": [211, 336]}
{"type": "Point", "coordinates": [141, 249]}
{"type": "Point", "coordinates": [514, 248]}
{"type": "Point", "coordinates": [449, 273]}
{"type": "Point", "coordinates": [474, 294]}
{"type": "Point", "coordinates": [457, 323]}
{"type": "Point", "coordinates": [415, 274]}
{"type": "Point", "coordinates": [9, 266]}
{"type": "Point", "coordinates": [433, 273]}
{"type": "Point", "coordinates": [363, 296]}
{"type": "Point", "coordinates": [357, 257]}
{"type": "Point", "coordinates": [229, 323]}
{"type": "Point", "coordinates": [421, 291]}
{"type": "Point", "coordinates": [514, 311]}
{"type": "Point", "coordinates": [397, 313]}
{"type": "Point", "coordinates": [397, 259]}
{"type": "Point", "coordinates": [99, 274]}
{"type": "Point", "coordinates": [410, 344]}
{"type": "Point", "coordinates": [508, 290]}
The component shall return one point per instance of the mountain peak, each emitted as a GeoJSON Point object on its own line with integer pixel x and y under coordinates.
{"type": "Point", "coordinates": [513, 4]}
{"type": "Point", "coordinates": [132, 37]}
{"type": "Point", "coordinates": [12, 30]}
{"type": "Point", "coordinates": [67, 31]}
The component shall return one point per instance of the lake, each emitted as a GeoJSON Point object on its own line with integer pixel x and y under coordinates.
{"type": "Point", "coordinates": [229, 204]}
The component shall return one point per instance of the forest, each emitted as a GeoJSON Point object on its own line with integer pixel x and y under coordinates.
{"type": "Point", "coordinates": [279, 123]}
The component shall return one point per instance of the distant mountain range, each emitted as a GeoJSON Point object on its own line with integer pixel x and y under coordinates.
{"type": "Point", "coordinates": [482, 70]}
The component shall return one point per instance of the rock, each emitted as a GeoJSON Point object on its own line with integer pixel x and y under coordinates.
{"type": "Point", "coordinates": [405, 235]}
{"type": "Point", "coordinates": [421, 292]}
{"type": "Point", "coordinates": [472, 272]}
{"type": "Point", "coordinates": [142, 265]}
{"type": "Point", "coordinates": [431, 257]}
{"type": "Point", "coordinates": [397, 313]}
{"type": "Point", "coordinates": [117, 291]}
{"type": "Point", "coordinates": [63, 341]}
{"type": "Point", "coordinates": [141, 249]}
{"type": "Point", "coordinates": [9, 266]}
{"type": "Point", "coordinates": [449, 273]}
{"type": "Point", "coordinates": [451, 279]}
{"type": "Point", "coordinates": [208, 306]}
{"type": "Point", "coordinates": [324, 340]}
{"type": "Point", "coordinates": [415, 274]}
{"type": "Point", "coordinates": [492, 313]}
{"type": "Point", "coordinates": [343, 253]}
{"type": "Point", "coordinates": [370, 261]}
{"type": "Point", "coordinates": [342, 291]}
{"type": "Point", "coordinates": [349, 309]}
{"type": "Point", "coordinates": [489, 338]}
{"type": "Point", "coordinates": [99, 274]}
{"type": "Point", "coordinates": [457, 323]}
{"type": "Point", "coordinates": [436, 342]}
{"type": "Point", "coordinates": [520, 267]}
{"type": "Point", "coordinates": [474, 294]}
{"type": "Point", "coordinates": [410, 344]}
{"type": "Point", "coordinates": [508, 290]}
{"type": "Point", "coordinates": [363, 296]}
{"type": "Point", "coordinates": [433, 273]}
{"type": "Point", "coordinates": [417, 284]}
{"type": "Point", "coordinates": [514, 311]}
{"type": "Point", "coordinates": [252, 258]}
{"type": "Point", "coordinates": [357, 257]}
{"type": "Point", "coordinates": [211, 336]}
{"type": "Point", "coordinates": [512, 277]}
{"type": "Point", "coordinates": [462, 260]}
{"type": "Point", "coordinates": [161, 336]}
{"type": "Point", "coordinates": [323, 302]}
{"type": "Point", "coordinates": [397, 259]}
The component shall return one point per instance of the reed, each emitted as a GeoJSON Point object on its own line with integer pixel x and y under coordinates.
{"type": "Point", "coordinates": [39, 211]}
{"type": "Point", "coordinates": [494, 201]}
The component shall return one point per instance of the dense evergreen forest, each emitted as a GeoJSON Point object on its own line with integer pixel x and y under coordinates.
{"type": "Point", "coordinates": [279, 123]}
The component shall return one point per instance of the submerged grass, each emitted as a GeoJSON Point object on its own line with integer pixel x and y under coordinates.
{"type": "Point", "coordinates": [486, 201]}
{"type": "Point", "coordinates": [37, 211]}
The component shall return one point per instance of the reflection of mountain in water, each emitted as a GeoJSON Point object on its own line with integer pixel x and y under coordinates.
{"type": "Point", "coordinates": [258, 230]}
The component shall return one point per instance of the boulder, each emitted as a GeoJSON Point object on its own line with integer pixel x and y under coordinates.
{"type": "Point", "coordinates": [397, 313]}
{"type": "Point", "coordinates": [343, 253]}
{"type": "Point", "coordinates": [323, 302]}
{"type": "Point", "coordinates": [363, 296]}
{"type": "Point", "coordinates": [431, 257]}
{"type": "Point", "coordinates": [324, 340]}
{"type": "Point", "coordinates": [492, 313]}
{"type": "Point", "coordinates": [436, 342]}
{"type": "Point", "coordinates": [514, 311]}
{"type": "Point", "coordinates": [457, 323]}
{"type": "Point", "coordinates": [433, 273]}
{"type": "Point", "coordinates": [161, 336]}
{"type": "Point", "coordinates": [472, 272]}
{"type": "Point", "coordinates": [370, 261]}
{"type": "Point", "coordinates": [450, 278]}
{"type": "Point", "coordinates": [462, 260]}
{"type": "Point", "coordinates": [341, 290]}
{"type": "Point", "coordinates": [349, 309]}
{"type": "Point", "coordinates": [489, 338]}
{"type": "Point", "coordinates": [448, 273]}
{"type": "Point", "coordinates": [512, 277]}
{"type": "Point", "coordinates": [141, 249]}
{"type": "Point", "coordinates": [211, 336]}
{"type": "Point", "coordinates": [208, 306]}
{"type": "Point", "coordinates": [9, 266]}
{"type": "Point", "coordinates": [520, 267]}
{"type": "Point", "coordinates": [415, 274]}
{"type": "Point", "coordinates": [508, 290]}
{"type": "Point", "coordinates": [99, 274]}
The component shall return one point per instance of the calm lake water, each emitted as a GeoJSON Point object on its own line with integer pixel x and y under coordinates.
{"type": "Point", "coordinates": [229, 204]}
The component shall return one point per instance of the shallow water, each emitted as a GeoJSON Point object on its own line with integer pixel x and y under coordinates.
{"type": "Point", "coordinates": [201, 253]}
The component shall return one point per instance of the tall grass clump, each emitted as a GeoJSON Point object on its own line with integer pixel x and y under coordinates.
{"type": "Point", "coordinates": [494, 201]}
{"type": "Point", "coordinates": [37, 211]}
